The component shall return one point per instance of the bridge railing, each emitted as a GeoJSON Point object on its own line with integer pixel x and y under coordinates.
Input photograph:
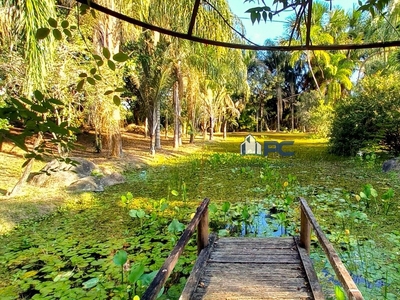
{"type": "Point", "coordinates": [309, 222]}
{"type": "Point", "coordinates": [200, 220]}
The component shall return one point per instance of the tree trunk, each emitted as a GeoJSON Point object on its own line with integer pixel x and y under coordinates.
{"type": "Point", "coordinates": [224, 125]}
{"type": "Point", "coordinates": [261, 128]}
{"type": "Point", "coordinates": [292, 115]}
{"type": "Point", "coordinates": [158, 133]}
{"type": "Point", "coordinates": [204, 127]}
{"type": "Point", "coordinates": [218, 125]}
{"type": "Point", "coordinates": [116, 144]}
{"type": "Point", "coordinates": [114, 135]}
{"type": "Point", "coordinates": [257, 121]}
{"type": "Point", "coordinates": [211, 127]}
{"type": "Point", "coordinates": [166, 125]}
{"type": "Point", "coordinates": [152, 129]}
{"type": "Point", "coordinates": [279, 106]}
{"type": "Point", "coordinates": [313, 75]}
{"type": "Point", "coordinates": [176, 114]}
{"type": "Point", "coordinates": [28, 168]}
{"type": "Point", "coordinates": [98, 143]}
{"type": "Point", "coordinates": [292, 101]}
{"type": "Point", "coordinates": [152, 144]}
{"type": "Point", "coordinates": [1, 142]}
{"type": "Point", "coordinates": [180, 133]}
{"type": "Point", "coordinates": [179, 126]}
{"type": "Point", "coordinates": [191, 118]}
{"type": "Point", "coordinates": [191, 139]}
{"type": "Point", "coordinates": [146, 127]}
{"type": "Point", "coordinates": [192, 121]}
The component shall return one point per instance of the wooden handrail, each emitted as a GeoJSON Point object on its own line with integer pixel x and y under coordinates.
{"type": "Point", "coordinates": [307, 221]}
{"type": "Point", "coordinates": [200, 220]}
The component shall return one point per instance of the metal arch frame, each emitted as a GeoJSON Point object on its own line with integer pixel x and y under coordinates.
{"type": "Point", "coordinates": [190, 37]}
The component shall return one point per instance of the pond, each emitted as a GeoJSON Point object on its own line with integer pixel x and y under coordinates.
{"type": "Point", "coordinates": [262, 225]}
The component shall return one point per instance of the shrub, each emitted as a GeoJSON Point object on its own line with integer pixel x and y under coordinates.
{"type": "Point", "coordinates": [315, 115]}
{"type": "Point", "coordinates": [369, 118]}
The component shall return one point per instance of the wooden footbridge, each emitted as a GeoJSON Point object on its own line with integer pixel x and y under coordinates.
{"type": "Point", "coordinates": [252, 268]}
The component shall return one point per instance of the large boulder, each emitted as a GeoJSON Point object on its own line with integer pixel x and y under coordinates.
{"type": "Point", "coordinates": [80, 166]}
{"type": "Point", "coordinates": [56, 179]}
{"type": "Point", "coordinates": [391, 165]}
{"type": "Point", "coordinates": [112, 179]}
{"type": "Point", "coordinates": [80, 176]}
{"type": "Point", "coordinates": [86, 184]}
{"type": "Point", "coordinates": [61, 174]}
{"type": "Point", "coordinates": [95, 183]}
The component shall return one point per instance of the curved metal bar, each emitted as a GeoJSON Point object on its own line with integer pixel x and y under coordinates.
{"type": "Point", "coordinates": [233, 45]}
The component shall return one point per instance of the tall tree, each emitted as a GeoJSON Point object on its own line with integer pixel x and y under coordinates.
{"type": "Point", "coordinates": [107, 38]}
{"type": "Point", "coordinates": [154, 77]}
{"type": "Point", "coordinates": [278, 65]}
{"type": "Point", "coordinates": [381, 27]}
{"type": "Point", "coordinates": [261, 83]}
{"type": "Point", "coordinates": [19, 23]}
{"type": "Point", "coordinates": [330, 71]}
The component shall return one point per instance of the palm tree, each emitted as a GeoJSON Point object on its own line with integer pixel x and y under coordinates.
{"type": "Point", "coordinates": [107, 34]}
{"type": "Point", "coordinates": [278, 65]}
{"type": "Point", "coordinates": [337, 76]}
{"type": "Point", "coordinates": [330, 71]}
{"type": "Point", "coordinates": [381, 28]}
{"type": "Point", "coordinates": [154, 78]}
{"type": "Point", "coordinates": [193, 102]}
{"type": "Point", "coordinates": [159, 57]}
{"type": "Point", "coordinates": [19, 23]}
{"type": "Point", "coordinates": [177, 96]}
{"type": "Point", "coordinates": [262, 83]}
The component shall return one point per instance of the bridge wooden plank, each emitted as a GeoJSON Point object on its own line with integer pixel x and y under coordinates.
{"type": "Point", "coordinates": [197, 270]}
{"type": "Point", "coordinates": [257, 296]}
{"type": "Point", "coordinates": [270, 242]}
{"type": "Point", "coordinates": [254, 268]}
{"type": "Point", "coordinates": [269, 270]}
{"type": "Point", "coordinates": [261, 259]}
{"type": "Point", "coordinates": [259, 250]}
{"type": "Point", "coordinates": [311, 275]}
{"type": "Point", "coordinates": [255, 251]}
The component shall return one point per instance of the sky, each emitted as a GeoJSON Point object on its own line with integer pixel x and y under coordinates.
{"type": "Point", "coordinates": [258, 33]}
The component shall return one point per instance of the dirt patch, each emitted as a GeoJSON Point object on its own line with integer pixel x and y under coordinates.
{"type": "Point", "coordinates": [136, 151]}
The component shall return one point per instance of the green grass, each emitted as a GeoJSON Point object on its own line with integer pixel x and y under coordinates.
{"type": "Point", "coordinates": [77, 242]}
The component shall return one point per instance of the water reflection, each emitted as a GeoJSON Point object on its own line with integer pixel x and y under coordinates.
{"type": "Point", "coordinates": [262, 225]}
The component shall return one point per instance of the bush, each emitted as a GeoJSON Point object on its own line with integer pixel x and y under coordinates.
{"type": "Point", "coordinates": [315, 115]}
{"type": "Point", "coordinates": [369, 118]}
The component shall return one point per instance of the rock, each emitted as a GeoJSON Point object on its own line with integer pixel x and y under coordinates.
{"type": "Point", "coordinates": [86, 184]}
{"type": "Point", "coordinates": [61, 174]}
{"type": "Point", "coordinates": [57, 179]}
{"type": "Point", "coordinates": [391, 165]}
{"type": "Point", "coordinates": [112, 179]}
{"type": "Point", "coordinates": [81, 166]}
{"type": "Point", "coordinates": [83, 177]}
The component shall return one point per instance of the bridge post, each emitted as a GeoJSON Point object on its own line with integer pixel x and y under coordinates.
{"type": "Point", "coordinates": [305, 230]}
{"type": "Point", "coordinates": [202, 232]}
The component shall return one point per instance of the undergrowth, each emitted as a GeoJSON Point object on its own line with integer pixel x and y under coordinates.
{"type": "Point", "coordinates": [78, 251]}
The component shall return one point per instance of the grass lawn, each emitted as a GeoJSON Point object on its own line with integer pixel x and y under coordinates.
{"type": "Point", "coordinates": [65, 245]}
